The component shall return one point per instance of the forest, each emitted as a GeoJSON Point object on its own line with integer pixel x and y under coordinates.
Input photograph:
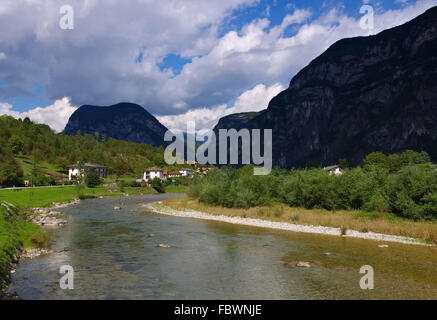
{"type": "Point", "coordinates": [32, 150]}
{"type": "Point", "coordinates": [404, 184]}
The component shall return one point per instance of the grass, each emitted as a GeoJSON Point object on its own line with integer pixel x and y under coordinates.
{"type": "Point", "coordinates": [43, 197]}
{"type": "Point", "coordinates": [385, 223]}
{"type": "Point", "coordinates": [26, 164]}
{"type": "Point", "coordinates": [112, 178]}
{"type": "Point", "coordinates": [176, 189]}
{"type": "Point", "coordinates": [17, 233]}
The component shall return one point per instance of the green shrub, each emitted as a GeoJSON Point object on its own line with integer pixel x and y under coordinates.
{"type": "Point", "coordinates": [157, 185]}
{"type": "Point", "coordinates": [294, 217]}
{"type": "Point", "coordinates": [278, 211]}
{"type": "Point", "coordinates": [41, 239]}
{"type": "Point", "coordinates": [343, 231]}
{"type": "Point", "coordinates": [92, 179]}
{"type": "Point", "coordinates": [410, 193]}
{"type": "Point", "coordinates": [135, 184]}
{"type": "Point", "coordinates": [377, 202]}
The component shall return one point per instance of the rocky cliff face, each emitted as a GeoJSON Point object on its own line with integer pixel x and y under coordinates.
{"type": "Point", "coordinates": [235, 121]}
{"type": "Point", "coordinates": [364, 94]}
{"type": "Point", "coordinates": [123, 121]}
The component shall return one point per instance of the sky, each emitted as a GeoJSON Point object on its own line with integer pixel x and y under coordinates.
{"type": "Point", "coordinates": [181, 60]}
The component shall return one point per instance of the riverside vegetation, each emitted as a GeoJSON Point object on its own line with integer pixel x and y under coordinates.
{"type": "Point", "coordinates": [394, 194]}
{"type": "Point", "coordinates": [16, 233]}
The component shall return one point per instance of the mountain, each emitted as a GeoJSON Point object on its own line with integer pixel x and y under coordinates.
{"type": "Point", "coordinates": [364, 94]}
{"type": "Point", "coordinates": [235, 121]}
{"type": "Point", "coordinates": [123, 121]}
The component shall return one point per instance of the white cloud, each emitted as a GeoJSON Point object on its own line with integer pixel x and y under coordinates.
{"type": "Point", "coordinates": [55, 115]}
{"type": "Point", "coordinates": [2, 56]}
{"type": "Point", "coordinates": [255, 99]}
{"type": "Point", "coordinates": [96, 62]}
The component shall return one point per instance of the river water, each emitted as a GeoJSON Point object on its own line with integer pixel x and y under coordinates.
{"type": "Point", "coordinates": [113, 257]}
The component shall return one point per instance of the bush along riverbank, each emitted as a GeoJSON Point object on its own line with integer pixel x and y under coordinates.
{"type": "Point", "coordinates": [17, 234]}
{"type": "Point", "coordinates": [408, 193]}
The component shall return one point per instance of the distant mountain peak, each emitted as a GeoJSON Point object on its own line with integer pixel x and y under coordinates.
{"type": "Point", "coordinates": [123, 121]}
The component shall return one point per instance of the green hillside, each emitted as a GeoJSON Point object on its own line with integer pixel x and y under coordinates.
{"type": "Point", "coordinates": [31, 150]}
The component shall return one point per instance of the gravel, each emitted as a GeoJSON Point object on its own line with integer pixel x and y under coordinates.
{"type": "Point", "coordinates": [281, 225]}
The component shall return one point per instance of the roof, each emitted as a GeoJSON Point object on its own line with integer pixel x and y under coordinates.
{"type": "Point", "coordinates": [331, 167]}
{"type": "Point", "coordinates": [87, 165]}
{"type": "Point", "coordinates": [174, 172]}
{"type": "Point", "coordinates": [154, 169]}
{"type": "Point", "coordinates": [186, 169]}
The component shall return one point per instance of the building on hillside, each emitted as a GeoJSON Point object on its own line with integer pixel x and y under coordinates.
{"type": "Point", "coordinates": [336, 170]}
{"type": "Point", "coordinates": [174, 174]}
{"type": "Point", "coordinates": [165, 174]}
{"type": "Point", "coordinates": [186, 172]}
{"type": "Point", "coordinates": [73, 170]}
{"type": "Point", "coordinates": [153, 173]}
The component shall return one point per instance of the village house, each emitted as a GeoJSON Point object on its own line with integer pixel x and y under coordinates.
{"type": "Point", "coordinates": [174, 174]}
{"type": "Point", "coordinates": [153, 173]}
{"type": "Point", "coordinates": [73, 170]}
{"type": "Point", "coordinates": [186, 172]}
{"type": "Point", "coordinates": [336, 170]}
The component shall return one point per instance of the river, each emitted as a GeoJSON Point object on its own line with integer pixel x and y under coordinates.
{"type": "Point", "coordinates": [114, 257]}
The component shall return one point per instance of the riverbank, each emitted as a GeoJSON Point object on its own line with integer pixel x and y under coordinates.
{"type": "Point", "coordinates": [22, 237]}
{"type": "Point", "coordinates": [45, 197]}
{"type": "Point", "coordinates": [17, 234]}
{"type": "Point", "coordinates": [25, 238]}
{"type": "Point", "coordinates": [344, 224]}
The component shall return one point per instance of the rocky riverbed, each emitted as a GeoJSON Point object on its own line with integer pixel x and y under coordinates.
{"type": "Point", "coordinates": [51, 216]}
{"type": "Point", "coordinates": [161, 209]}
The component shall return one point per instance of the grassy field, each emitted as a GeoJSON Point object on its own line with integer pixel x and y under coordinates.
{"type": "Point", "coordinates": [26, 164]}
{"type": "Point", "coordinates": [176, 189]}
{"type": "Point", "coordinates": [42, 197]}
{"type": "Point", "coordinates": [354, 220]}
{"type": "Point", "coordinates": [112, 178]}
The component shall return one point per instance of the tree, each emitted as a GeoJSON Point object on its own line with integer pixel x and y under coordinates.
{"type": "Point", "coordinates": [62, 163]}
{"type": "Point", "coordinates": [11, 173]}
{"type": "Point", "coordinates": [92, 179]}
{"type": "Point", "coordinates": [410, 158]}
{"type": "Point", "coordinates": [424, 157]}
{"type": "Point", "coordinates": [394, 162]}
{"type": "Point", "coordinates": [376, 159]}
{"type": "Point", "coordinates": [15, 144]}
{"type": "Point", "coordinates": [157, 185]}
{"type": "Point", "coordinates": [121, 167]}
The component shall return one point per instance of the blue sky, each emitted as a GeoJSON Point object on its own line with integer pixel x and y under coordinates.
{"type": "Point", "coordinates": [174, 58]}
